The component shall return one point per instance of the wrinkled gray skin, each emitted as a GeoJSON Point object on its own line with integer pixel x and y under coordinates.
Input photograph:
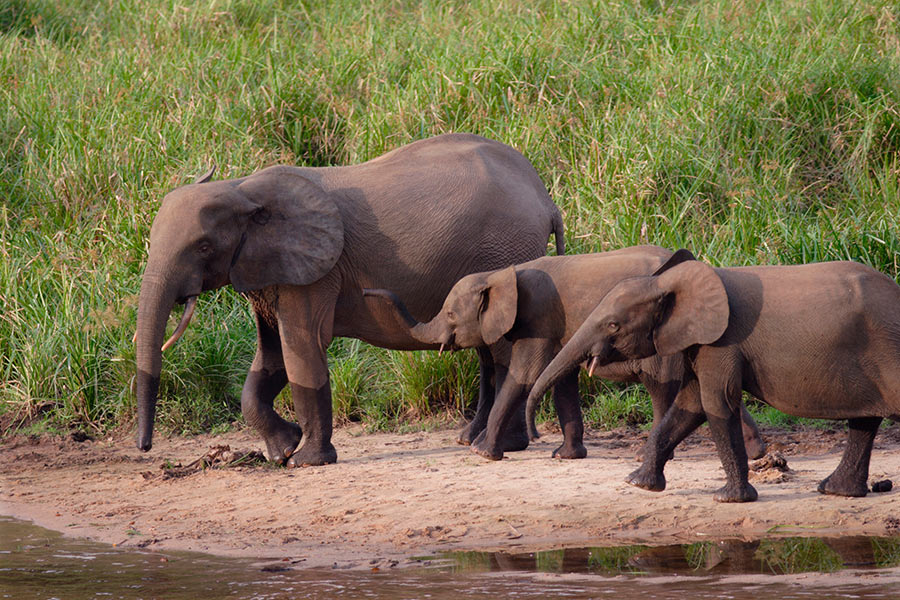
{"type": "Point", "coordinates": [538, 306]}
{"type": "Point", "coordinates": [300, 243]}
{"type": "Point", "coordinates": [819, 340]}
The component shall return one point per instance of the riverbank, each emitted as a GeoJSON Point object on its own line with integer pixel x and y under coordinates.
{"type": "Point", "coordinates": [394, 496]}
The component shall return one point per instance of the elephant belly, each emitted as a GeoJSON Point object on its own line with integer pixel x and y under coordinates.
{"type": "Point", "coordinates": [835, 393]}
{"type": "Point", "coordinates": [375, 323]}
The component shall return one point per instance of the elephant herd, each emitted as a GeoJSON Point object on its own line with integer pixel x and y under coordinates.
{"type": "Point", "coordinates": [454, 229]}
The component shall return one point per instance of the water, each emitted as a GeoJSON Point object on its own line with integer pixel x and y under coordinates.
{"type": "Point", "coordinates": [39, 564]}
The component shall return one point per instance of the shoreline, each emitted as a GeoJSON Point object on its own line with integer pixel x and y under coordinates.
{"type": "Point", "coordinates": [395, 496]}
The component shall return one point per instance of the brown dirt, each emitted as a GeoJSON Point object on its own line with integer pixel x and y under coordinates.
{"type": "Point", "coordinates": [393, 496]}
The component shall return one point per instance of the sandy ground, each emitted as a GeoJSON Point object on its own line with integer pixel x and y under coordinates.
{"type": "Point", "coordinates": [394, 496]}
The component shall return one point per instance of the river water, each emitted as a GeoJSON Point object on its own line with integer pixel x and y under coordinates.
{"type": "Point", "coordinates": [36, 563]}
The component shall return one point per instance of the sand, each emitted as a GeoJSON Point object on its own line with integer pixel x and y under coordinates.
{"type": "Point", "coordinates": [391, 497]}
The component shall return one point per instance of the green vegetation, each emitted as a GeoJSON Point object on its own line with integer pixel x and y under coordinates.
{"type": "Point", "coordinates": [798, 555]}
{"type": "Point", "coordinates": [750, 132]}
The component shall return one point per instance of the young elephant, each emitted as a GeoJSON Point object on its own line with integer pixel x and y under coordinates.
{"type": "Point", "coordinates": [819, 340]}
{"type": "Point", "coordinates": [537, 306]}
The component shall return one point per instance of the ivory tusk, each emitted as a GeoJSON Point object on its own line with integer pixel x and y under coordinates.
{"type": "Point", "coordinates": [182, 326]}
{"type": "Point", "coordinates": [592, 366]}
{"type": "Point", "coordinates": [134, 337]}
{"type": "Point", "coordinates": [441, 351]}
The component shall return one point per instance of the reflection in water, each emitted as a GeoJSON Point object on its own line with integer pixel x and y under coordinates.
{"type": "Point", "coordinates": [39, 564]}
{"type": "Point", "coordinates": [776, 556]}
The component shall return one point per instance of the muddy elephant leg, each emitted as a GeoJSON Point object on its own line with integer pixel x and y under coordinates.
{"type": "Point", "coordinates": [265, 379]}
{"type": "Point", "coordinates": [485, 398]}
{"type": "Point", "coordinates": [313, 409]}
{"type": "Point", "coordinates": [852, 474]}
{"type": "Point", "coordinates": [720, 395]}
{"type": "Point", "coordinates": [305, 325]}
{"type": "Point", "coordinates": [684, 416]}
{"type": "Point", "coordinates": [568, 409]}
{"type": "Point", "coordinates": [726, 433]}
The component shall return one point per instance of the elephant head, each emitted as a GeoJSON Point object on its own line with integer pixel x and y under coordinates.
{"type": "Point", "coordinates": [682, 304]}
{"type": "Point", "coordinates": [478, 311]}
{"type": "Point", "coordinates": [273, 227]}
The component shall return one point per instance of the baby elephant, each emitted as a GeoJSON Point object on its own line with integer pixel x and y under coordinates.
{"type": "Point", "coordinates": [819, 340]}
{"type": "Point", "coordinates": [537, 306]}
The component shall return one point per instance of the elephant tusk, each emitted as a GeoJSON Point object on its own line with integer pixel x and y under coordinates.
{"type": "Point", "coordinates": [441, 351]}
{"type": "Point", "coordinates": [182, 326]}
{"type": "Point", "coordinates": [134, 337]}
{"type": "Point", "coordinates": [592, 366]}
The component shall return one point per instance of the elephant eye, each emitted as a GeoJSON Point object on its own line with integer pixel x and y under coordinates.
{"type": "Point", "coordinates": [612, 326]}
{"type": "Point", "coordinates": [205, 248]}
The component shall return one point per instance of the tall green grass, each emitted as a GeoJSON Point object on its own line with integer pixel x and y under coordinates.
{"type": "Point", "coordinates": [750, 132]}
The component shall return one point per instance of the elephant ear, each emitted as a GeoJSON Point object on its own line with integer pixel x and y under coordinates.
{"type": "Point", "coordinates": [206, 177]}
{"type": "Point", "coordinates": [295, 236]}
{"type": "Point", "coordinates": [695, 309]}
{"type": "Point", "coordinates": [498, 304]}
{"type": "Point", "coordinates": [679, 257]}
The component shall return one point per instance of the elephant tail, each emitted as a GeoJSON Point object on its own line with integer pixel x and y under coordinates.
{"type": "Point", "coordinates": [558, 234]}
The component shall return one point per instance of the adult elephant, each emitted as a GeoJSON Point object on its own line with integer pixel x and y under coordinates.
{"type": "Point", "coordinates": [301, 243]}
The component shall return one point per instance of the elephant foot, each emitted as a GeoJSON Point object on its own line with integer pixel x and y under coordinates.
{"type": "Point", "coordinates": [280, 446]}
{"type": "Point", "coordinates": [485, 452]}
{"type": "Point", "coordinates": [312, 456]}
{"type": "Point", "coordinates": [838, 486]}
{"type": "Point", "coordinates": [514, 442]}
{"type": "Point", "coordinates": [756, 447]}
{"type": "Point", "coordinates": [570, 451]}
{"type": "Point", "coordinates": [736, 493]}
{"type": "Point", "coordinates": [468, 434]}
{"type": "Point", "coordinates": [642, 478]}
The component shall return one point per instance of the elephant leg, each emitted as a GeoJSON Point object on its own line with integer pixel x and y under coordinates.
{"type": "Point", "coordinates": [721, 400]}
{"type": "Point", "coordinates": [485, 398]}
{"type": "Point", "coordinates": [683, 417]}
{"type": "Point", "coordinates": [568, 409]}
{"type": "Point", "coordinates": [726, 433]}
{"type": "Point", "coordinates": [753, 441]}
{"type": "Point", "coordinates": [305, 324]}
{"type": "Point", "coordinates": [514, 434]}
{"type": "Point", "coordinates": [510, 400]}
{"type": "Point", "coordinates": [516, 367]}
{"type": "Point", "coordinates": [265, 380]}
{"type": "Point", "coordinates": [852, 474]}
{"type": "Point", "coordinates": [313, 409]}
{"type": "Point", "coordinates": [662, 377]}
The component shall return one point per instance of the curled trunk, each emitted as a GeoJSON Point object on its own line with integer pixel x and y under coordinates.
{"type": "Point", "coordinates": [433, 332]}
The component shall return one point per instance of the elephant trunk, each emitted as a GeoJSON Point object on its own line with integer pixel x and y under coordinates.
{"type": "Point", "coordinates": [154, 305]}
{"type": "Point", "coordinates": [572, 354]}
{"type": "Point", "coordinates": [432, 332]}
{"type": "Point", "coordinates": [398, 304]}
